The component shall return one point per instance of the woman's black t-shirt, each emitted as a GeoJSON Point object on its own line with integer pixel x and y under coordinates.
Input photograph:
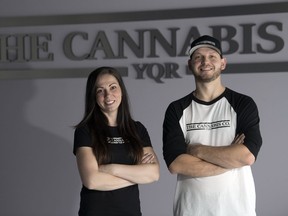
{"type": "Point", "coordinates": [120, 202]}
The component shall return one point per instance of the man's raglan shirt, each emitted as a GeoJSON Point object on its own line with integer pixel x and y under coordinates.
{"type": "Point", "coordinates": [191, 121]}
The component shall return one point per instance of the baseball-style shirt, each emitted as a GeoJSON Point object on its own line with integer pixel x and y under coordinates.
{"type": "Point", "coordinates": [191, 121]}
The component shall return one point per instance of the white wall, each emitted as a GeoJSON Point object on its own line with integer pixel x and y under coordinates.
{"type": "Point", "coordinates": [38, 170]}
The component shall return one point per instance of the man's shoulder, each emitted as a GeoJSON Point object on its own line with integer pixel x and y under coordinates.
{"type": "Point", "coordinates": [236, 94]}
{"type": "Point", "coordinates": [237, 99]}
{"type": "Point", "coordinates": [182, 101]}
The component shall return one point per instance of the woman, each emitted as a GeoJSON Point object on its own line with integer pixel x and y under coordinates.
{"type": "Point", "coordinates": [114, 152]}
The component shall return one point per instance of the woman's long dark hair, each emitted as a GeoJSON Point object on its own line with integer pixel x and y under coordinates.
{"type": "Point", "coordinates": [97, 122]}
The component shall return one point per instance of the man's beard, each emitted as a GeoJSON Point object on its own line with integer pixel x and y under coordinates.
{"type": "Point", "coordinates": [207, 79]}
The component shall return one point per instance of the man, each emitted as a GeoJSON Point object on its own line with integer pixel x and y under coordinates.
{"type": "Point", "coordinates": [211, 137]}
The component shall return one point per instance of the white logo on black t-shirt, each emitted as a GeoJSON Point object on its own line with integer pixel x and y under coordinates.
{"type": "Point", "coordinates": [115, 140]}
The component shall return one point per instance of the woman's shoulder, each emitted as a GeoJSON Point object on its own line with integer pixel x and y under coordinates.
{"type": "Point", "coordinates": [82, 128]}
{"type": "Point", "coordinates": [141, 129]}
{"type": "Point", "coordinates": [139, 125]}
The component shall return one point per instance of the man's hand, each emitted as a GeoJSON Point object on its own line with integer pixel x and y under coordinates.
{"type": "Point", "coordinates": [239, 139]}
{"type": "Point", "coordinates": [193, 149]}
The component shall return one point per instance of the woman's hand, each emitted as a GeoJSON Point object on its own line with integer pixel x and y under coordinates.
{"type": "Point", "coordinates": [148, 158]}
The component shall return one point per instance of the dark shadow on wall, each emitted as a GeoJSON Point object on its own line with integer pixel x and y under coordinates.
{"type": "Point", "coordinates": [38, 170]}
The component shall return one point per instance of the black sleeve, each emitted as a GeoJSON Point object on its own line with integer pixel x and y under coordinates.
{"type": "Point", "coordinates": [173, 139]}
{"type": "Point", "coordinates": [81, 138]}
{"type": "Point", "coordinates": [248, 123]}
{"type": "Point", "coordinates": [143, 134]}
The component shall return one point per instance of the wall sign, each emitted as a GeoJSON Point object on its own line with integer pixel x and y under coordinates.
{"type": "Point", "coordinates": [145, 44]}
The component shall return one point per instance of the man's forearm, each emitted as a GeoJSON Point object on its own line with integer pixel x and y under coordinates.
{"type": "Point", "coordinates": [191, 166]}
{"type": "Point", "coordinates": [232, 156]}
